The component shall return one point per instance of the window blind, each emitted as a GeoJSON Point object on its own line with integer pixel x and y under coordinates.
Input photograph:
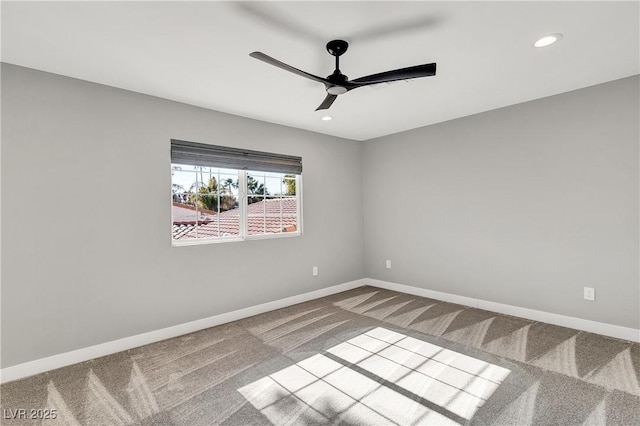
{"type": "Point", "coordinates": [200, 154]}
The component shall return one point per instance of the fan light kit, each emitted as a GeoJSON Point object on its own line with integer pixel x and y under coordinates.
{"type": "Point", "coordinates": [547, 40]}
{"type": "Point", "coordinates": [338, 83]}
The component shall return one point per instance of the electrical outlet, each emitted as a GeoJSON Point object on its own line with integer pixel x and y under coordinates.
{"type": "Point", "coordinates": [388, 264]}
{"type": "Point", "coordinates": [315, 271]}
{"type": "Point", "coordinates": [590, 294]}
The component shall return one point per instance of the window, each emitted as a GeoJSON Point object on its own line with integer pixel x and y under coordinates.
{"type": "Point", "coordinates": [229, 194]}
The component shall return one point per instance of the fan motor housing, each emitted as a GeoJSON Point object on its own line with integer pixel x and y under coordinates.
{"type": "Point", "coordinates": [337, 77]}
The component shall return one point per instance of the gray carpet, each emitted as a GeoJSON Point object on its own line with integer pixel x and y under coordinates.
{"type": "Point", "coordinates": [363, 357]}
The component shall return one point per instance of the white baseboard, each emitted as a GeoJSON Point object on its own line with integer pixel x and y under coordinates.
{"type": "Point", "coordinates": [611, 330]}
{"type": "Point", "coordinates": [84, 354]}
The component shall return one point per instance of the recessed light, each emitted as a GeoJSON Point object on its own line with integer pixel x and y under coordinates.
{"type": "Point", "coordinates": [327, 118]}
{"type": "Point", "coordinates": [547, 40]}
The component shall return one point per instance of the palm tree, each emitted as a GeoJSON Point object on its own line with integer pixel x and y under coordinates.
{"type": "Point", "coordinates": [290, 182]}
{"type": "Point", "coordinates": [256, 191]}
{"type": "Point", "coordinates": [207, 194]}
{"type": "Point", "coordinates": [211, 196]}
{"type": "Point", "coordinates": [229, 184]}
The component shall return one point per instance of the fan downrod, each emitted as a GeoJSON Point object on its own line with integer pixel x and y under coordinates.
{"type": "Point", "coordinates": [337, 47]}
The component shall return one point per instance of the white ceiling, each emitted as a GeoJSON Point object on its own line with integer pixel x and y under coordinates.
{"type": "Point", "coordinates": [198, 53]}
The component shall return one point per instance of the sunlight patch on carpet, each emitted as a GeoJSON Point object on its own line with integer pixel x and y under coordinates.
{"type": "Point", "coordinates": [379, 376]}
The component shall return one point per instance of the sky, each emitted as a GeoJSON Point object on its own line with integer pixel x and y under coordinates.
{"type": "Point", "coordinates": [186, 176]}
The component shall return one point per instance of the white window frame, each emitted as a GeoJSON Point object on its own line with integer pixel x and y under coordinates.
{"type": "Point", "coordinates": [243, 212]}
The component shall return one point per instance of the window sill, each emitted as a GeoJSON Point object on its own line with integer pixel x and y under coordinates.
{"type": "Point", "coordinates": [197, 242]}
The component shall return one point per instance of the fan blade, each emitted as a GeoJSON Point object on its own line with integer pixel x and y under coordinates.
{"type": "Point", "coordinates": [417, 71]}
{"type": "Point", "coordinates": [327, 102]}
{"type": "Point", "coordinates": [269, 60]}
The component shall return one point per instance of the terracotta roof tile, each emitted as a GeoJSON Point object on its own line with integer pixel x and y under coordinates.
{"type": "Point", "coordinates": [270, 216]}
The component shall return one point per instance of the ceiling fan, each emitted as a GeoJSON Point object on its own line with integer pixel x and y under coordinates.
{"type": "Point", "coordinates": [338, 83]}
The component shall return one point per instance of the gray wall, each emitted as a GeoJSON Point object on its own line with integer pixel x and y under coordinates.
{"type": "Point", "coordinates": [86, 217]}
{"type": "Point", "coordinates": [523, 205]}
